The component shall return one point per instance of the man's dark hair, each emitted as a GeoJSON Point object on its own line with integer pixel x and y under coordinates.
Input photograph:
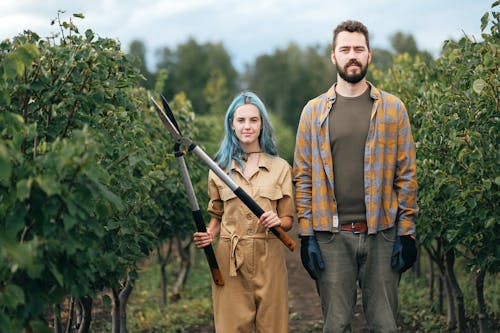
{"type": "Point", "coordinates": [351, 26]}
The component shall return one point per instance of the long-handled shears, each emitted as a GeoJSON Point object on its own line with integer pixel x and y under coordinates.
{"type": "Point", "coordinates": [171, 124]}
{"type": "Point", "coordinates": [169, 121]}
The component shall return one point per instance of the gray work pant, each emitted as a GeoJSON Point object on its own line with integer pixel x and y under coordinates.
{"type": "Point", "coordinates": [358, 258]}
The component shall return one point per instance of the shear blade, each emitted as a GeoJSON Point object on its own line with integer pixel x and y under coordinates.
{"type": "Point", "coordinates": [169, 113]}
{"type": "Point", "coordinates": [166, 121]}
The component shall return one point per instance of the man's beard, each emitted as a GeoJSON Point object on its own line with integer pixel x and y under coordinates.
{"type": "Point", "coordinates": [352, 78]}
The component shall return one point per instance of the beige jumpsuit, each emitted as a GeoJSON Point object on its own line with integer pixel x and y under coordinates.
{"type": "Point", "coordinates": [251, 259]}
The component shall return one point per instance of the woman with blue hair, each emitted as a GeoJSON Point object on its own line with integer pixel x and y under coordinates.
{"type": "Point", "coordinates": [251, 259]}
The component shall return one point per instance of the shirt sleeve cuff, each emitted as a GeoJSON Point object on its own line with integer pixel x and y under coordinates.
{"type": "Point", "coordinates": [305, 227]}
{"type": "Point", "coordinates": [406, 228]}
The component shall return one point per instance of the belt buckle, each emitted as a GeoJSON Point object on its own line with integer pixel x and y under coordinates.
{"type": "Point", "coordinates": [353, 228]}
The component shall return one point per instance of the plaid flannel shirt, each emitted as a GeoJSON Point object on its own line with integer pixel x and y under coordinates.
{"type": "Point", "coordinates": [389, 167]}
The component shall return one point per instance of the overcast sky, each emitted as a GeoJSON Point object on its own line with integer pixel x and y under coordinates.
{"type": "Point", "coordinates": [249, 28]}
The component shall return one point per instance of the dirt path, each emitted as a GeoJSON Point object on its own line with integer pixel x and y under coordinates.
{"type": "Point", "coordinates": [305, 308]}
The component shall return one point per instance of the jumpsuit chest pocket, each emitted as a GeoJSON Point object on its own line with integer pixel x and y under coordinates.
{"type": "Point", "coordinates": [268, 197]}
{"type": "Point", "coordinates": [232, 206]}
{"type": "Point", "coordinates": [226, 194]}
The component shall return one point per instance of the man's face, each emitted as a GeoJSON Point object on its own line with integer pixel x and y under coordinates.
{"type": "Point", "coordinates": [351, 56]}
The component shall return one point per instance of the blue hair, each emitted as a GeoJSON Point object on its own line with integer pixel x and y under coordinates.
{"type": "Point", "coordinates": [230, 147]}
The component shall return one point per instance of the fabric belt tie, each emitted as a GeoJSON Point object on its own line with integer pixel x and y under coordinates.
{"type": "Point", "coordinates": [355, 227]}
{"type": "Point", "coordinates": [235, 257]}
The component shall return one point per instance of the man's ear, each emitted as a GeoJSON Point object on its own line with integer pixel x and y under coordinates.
{"type": "Point", "coordinates": [332, 57]}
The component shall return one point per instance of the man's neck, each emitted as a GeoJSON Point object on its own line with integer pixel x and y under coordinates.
{"type": "Point", "coordinates": [347, 89]}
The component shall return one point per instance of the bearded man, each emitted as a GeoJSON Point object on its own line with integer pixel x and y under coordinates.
{"type": "Point", "coordinates": [355, 177]}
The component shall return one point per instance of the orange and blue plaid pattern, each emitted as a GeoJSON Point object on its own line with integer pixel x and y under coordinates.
{"type": "Point", "coordinates": [389, 167]}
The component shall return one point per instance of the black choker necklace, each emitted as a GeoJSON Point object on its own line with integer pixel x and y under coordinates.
{"type": "Point", "coordinates": [245, 155]}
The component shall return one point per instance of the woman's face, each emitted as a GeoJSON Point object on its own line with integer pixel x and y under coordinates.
{"type": "Point", "coordinates": [247, 125]}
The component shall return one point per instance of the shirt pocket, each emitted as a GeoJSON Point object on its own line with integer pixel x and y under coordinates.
{"type": "Point", "coordinates": [268, 197]}
{"type": "Point", "coordinates": [226, 194]}
{"type": "Point", "coordinates": [232, 207]}
{"type": "Point", "coordinates": [387, 132]}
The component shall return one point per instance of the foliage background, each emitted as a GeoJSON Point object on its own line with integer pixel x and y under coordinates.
{"type": "Point", "coordinates": [88, 182]}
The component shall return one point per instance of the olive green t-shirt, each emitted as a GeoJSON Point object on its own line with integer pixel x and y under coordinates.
{"type": "Point", "coordinates": [349, 121]}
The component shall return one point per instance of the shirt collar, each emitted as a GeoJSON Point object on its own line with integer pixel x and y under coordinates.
{"type": "Point", "coordinates": [331, 95]}
{"type": "Point", "coordinates": [265, 161]}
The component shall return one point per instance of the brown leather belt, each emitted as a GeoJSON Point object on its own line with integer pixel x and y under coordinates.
{"type": "Point", "coordinates": [355, 227]}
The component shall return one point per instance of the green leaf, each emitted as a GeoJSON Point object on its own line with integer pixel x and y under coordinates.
{"type": "Point", "coordinates": [79, 15]}
{"type": "Point", "coordinates": [460, 210]}
{"type": "Point", "coordinates": [22, 255]}
{"type": "Point", "coordinates": [5, 165]}
{"type": "Point", "coordinates": [4, 98]}
{"type": "Point", "coordinates": [23, 189]}
{"type": "Point", "coordinates": [472, 202]}
{"type": "Point", "coordinates": [497, 180]}
{"type": "Point", "coordinates": [69, 222]}
{"type": "Point", "coordinates": [478, 85]}
{"type": "Point", "coordinates": [57, 275]}
{"type": "Point", "coordinates": [484, 21]}
{"type": "Point", "coordinates": [134, 159]}
{"type": "Point", "coordinates": [491, 222]}
{"type": "Point", "coordinates": [110, 196]}
{"type": "Point", "coordinates": [40, 326]}
{"type": "Point", "coordinates": [49, 185]}
{"type": "Point", "coordinates": [27, 53]}
{"type": "Point", "coordinates": [11, 296]}
{"type": "Point", "coordinates": [89, 34]}
{"type": "Point", "coordinates": [12, 66]}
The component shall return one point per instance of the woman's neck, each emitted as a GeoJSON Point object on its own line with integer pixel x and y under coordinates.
{"type": "Point", "coordinates": [250, 163]}
{"type": "Point", "coordinates": [253, 148]}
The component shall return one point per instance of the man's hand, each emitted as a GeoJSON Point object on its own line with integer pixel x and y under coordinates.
{"type": "Point", "coordinates": [310, 255]}
{"type": "Point", "coordinates": [404, 253]}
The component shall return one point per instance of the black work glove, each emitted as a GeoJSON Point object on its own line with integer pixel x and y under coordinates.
{"type": "Point", "coordinates": [404, 253]}
{"type": "Point", "coordinates": [310, 255]}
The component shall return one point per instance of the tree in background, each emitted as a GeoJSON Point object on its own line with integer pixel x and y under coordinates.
{"type": "Point", "coordinates": [137, 52]}
{"type": "Point", "coordinates": [454, 105]}
{"type": "Point", "coordinates": [84, 167]}
{"type": "Point", "coordinates": [88, 184]}
{"type": "Point", "coordinates": [381, 59]}
{"type": "Point", "coordinates": [285, 79]}
{"type": "Point", "coordinates": [401, 43]}
{"type": "Point", "coordinates": [404, 43]}
{"type": "Point", "coordinates": [192, 69]}
{"type": "Point", "coordinates": [289, 77]}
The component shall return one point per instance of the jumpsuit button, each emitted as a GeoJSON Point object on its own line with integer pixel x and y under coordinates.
{"type": "Point", "coordinates": [249, 232]}
{"type": "Point", "coordinates": [249, 216]}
